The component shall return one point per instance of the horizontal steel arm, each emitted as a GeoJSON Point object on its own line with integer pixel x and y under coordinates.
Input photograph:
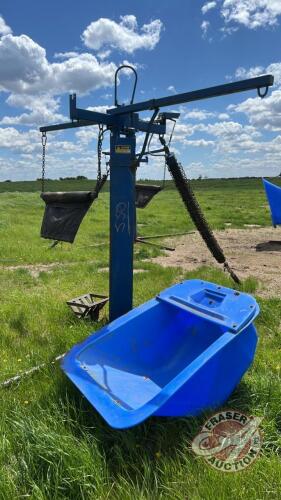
{"type": "Point", "coordinates": [80, 118]}
{"type": "Point", "coordinates": [93, 116]}
{"type": "Point", "coordinates": [62, 126]}
{"type": "Point", "coordinates": [196, 95]}
{"type": "Point", "coordinates": [84, 117]}
{"type": "Point", "coordinates": [141, 125]}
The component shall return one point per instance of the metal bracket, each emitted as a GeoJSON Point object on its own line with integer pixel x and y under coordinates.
{"type": "Point", "coordinates": [162, 117]}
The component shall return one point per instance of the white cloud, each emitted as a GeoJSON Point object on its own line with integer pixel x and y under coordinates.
{"type": "Point", "coordinates": [172, 89]}
{"type": "Point", "coordinates": [24, 153]}
{"type": "Point", "coordinates": [273, 68]}
{"type": "Point", "coordinates": [198, 114]}
{"type": "Point", "coordinates": [251, 166]}
{"type": "Point", "coordinates": [29, 142]}
{"type": "Point", "coordinates": [106, 96]}
{"type": "Point", "coordinates": [27, 166]}
{"type": "Point", "coordinates": [65, 55]}
{"type": "Point", "coordinates": [25, 69]}
{"type": "Point", "coordinates": [251, 13]}
{"type": "Point", "coordinates": [184, 130]}
{"type": "Point", "coordinates": [204, 27]}
{"type": "Point", "coordinates": [82, 73]}
{"type": "Point", "coordinates": [23, 63]}
{"type": "Point", "coordinates": [264, 113]}
{"type": "Point", "coordinates": [199, 143]}
{"type": "Point", "coordinates": [223, 116]}
{"type": "Point", "coordinates": [228, 30]}
{"type": "Point", "coordinates": [34, 84]}
{"type": "Point", "coordinates": [19, 142]}
{"type": "Point", "coordinates": [104, 54]}
{"type": "Point", "coordinates": [222, 129]}
{"type": "Point", "coordinates": [226, 137]}
{"type": "Point", "coordinates": [135, 65]}
{"type": "Point", "coordinates": [208, 6]}
{"type": "Point", "coordinates": [125, 35]}
{"type": "Point", "coordinates": [4, 28]}
{"type": "Point", "coordinates": [86, 134]}
{"type": "Point", "coordinates": [41, 109]}
{"type": "Point", "coordinates": [243, 73]}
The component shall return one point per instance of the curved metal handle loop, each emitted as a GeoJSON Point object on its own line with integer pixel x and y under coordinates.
{"type": "Point", "coordinates": [262, 94]}
{"type": "Point", "coordinates": [115, 83]}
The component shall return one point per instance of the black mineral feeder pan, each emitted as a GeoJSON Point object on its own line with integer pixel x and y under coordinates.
{"type": "Point", "coordinates": [64, 213]}
{"type": "Point", "coordinates": [145, 193]}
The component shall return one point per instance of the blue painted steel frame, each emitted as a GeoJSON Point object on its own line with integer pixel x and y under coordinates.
{"type": "Point", "coordinates": [124, 122]}
{"type": "Point", "coordinates": [122, 222]}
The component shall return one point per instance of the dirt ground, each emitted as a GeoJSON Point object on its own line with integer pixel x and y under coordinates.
{"type": "Point", "coordinates": [250, 252]}
{"type": "Point", "coordinates": [36, 269]}
{"type": "Point", "coordinates": [33, 269]}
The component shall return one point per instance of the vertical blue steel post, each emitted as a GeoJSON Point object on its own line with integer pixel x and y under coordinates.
{"type": "Point", "coordinates": [122, 223]}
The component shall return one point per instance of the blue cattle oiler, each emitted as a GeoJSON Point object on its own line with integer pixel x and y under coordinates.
{"type": "Point", "coordinates": [178, 354]}
{"type": "Point", "coordinates": [124, 122]}
{"type": "Point", "coordinates": [273, 194]}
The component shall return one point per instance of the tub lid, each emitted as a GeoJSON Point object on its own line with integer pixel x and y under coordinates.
{"type": "Point", "coordinates": [218, 304]}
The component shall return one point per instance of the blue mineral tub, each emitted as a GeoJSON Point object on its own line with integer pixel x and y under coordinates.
{"type": "Point", "coordinates": [178, 354]}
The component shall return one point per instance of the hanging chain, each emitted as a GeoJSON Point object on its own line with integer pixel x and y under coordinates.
{"type": "Point", "coordinates": [99, 149]}
{"type": "Point", "coordinates": [101, 179]}
{"type": "Point", "coordinates": [44, 142]}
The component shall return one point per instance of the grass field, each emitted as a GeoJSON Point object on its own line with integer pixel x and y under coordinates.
{"type": "Point", "coordinates": [53, 445]}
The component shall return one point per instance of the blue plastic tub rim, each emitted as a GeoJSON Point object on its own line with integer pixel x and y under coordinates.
{"type": "Point", "coordinates": [118, 417]}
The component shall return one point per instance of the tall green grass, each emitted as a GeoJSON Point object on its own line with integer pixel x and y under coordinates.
{"type": "Point", "coordinates": [53, 445]}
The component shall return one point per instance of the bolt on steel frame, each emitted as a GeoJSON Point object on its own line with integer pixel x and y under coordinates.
{"type": "Point", "coordinates": [123, 122]}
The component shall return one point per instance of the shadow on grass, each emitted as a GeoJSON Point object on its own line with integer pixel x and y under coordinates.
{"type": "Point", "coordinates": [124, 449]}
{"type": "Point", "coordinates": [269, 246]}
{"type": "Point", "coordinates": [127, 452]}
{"type": "Point", "coordinates": [240, 399]}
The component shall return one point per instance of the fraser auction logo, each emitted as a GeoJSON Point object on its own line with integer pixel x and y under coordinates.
{"type": "Point", "coordinates": [229, 441]}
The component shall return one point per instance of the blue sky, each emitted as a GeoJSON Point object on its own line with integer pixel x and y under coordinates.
{"type": "Point", "coordinates": [49, 49]}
